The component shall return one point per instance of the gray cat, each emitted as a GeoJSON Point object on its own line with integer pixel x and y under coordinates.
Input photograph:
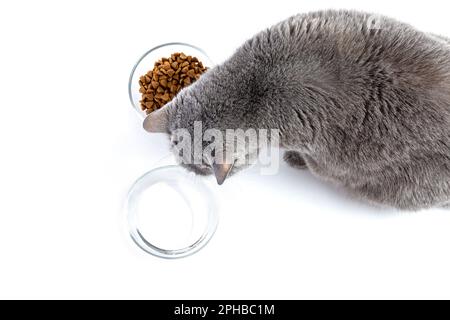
{"type": "Point", "coordinates": [362, 101]}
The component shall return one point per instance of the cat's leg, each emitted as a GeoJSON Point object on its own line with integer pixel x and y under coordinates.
{"type": "Point", "coordinates": [402, 196]}
{"type": "Point", "coordinates": [417, 188]}
{"type": "Point", "coordinates": [295, 159]}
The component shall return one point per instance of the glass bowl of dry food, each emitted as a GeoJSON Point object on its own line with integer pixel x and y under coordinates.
{"type": "Point", "coordinates": [162, 72]}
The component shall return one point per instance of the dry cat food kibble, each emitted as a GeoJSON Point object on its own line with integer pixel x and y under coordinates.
{"type": "Point", "coordinates": [168, 77]}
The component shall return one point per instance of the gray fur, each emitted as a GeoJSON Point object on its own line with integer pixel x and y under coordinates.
{"type": "Point", "coordinates": [364, 105]}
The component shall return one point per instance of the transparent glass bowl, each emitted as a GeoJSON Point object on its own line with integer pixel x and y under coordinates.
{"type": "Point", "coordinates": [147, 61]}
{"type": "Point", "coordinates": [171, 212]}
{"type": "Point", "coordinates": [183, 209]}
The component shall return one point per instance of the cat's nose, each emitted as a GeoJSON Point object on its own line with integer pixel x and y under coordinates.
{"type": "Point", "coordinates": [220, 181]}
{"type": "Point", "coordinates": [221, 171]}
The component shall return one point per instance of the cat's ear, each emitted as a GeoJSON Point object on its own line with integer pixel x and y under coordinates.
{"type": "Point", "coordinates": [157, 121]}
{"type": "Point", "coordinates": [221, 171]}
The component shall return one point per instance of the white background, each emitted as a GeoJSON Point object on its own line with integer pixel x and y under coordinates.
{"type": "Point", "coordinates": [71, 145]}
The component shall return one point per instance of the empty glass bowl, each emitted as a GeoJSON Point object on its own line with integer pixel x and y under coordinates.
{"type": "Point", "coordinates": [147, 61]}
{"type": "Point", "coordinates": [171, 212]}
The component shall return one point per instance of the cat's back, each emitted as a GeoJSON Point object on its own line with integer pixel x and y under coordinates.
{"type": "Point", "coordinates": [357, 64]}
{"type": "Point", "coordinates": [372, 77]}
{"type": "Point", "coordinates": [358, 39]}
{"type": "Point", "coordinates": [367, 60]}
{"type": "Point", "coordinates": [338, 47]}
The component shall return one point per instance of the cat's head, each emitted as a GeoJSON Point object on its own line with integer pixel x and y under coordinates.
{"type": "Point", "coordinates": [194, 120]}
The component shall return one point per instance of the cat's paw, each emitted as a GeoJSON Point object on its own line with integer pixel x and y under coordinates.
{"type": "Point", "coordinates": [294, 159]}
